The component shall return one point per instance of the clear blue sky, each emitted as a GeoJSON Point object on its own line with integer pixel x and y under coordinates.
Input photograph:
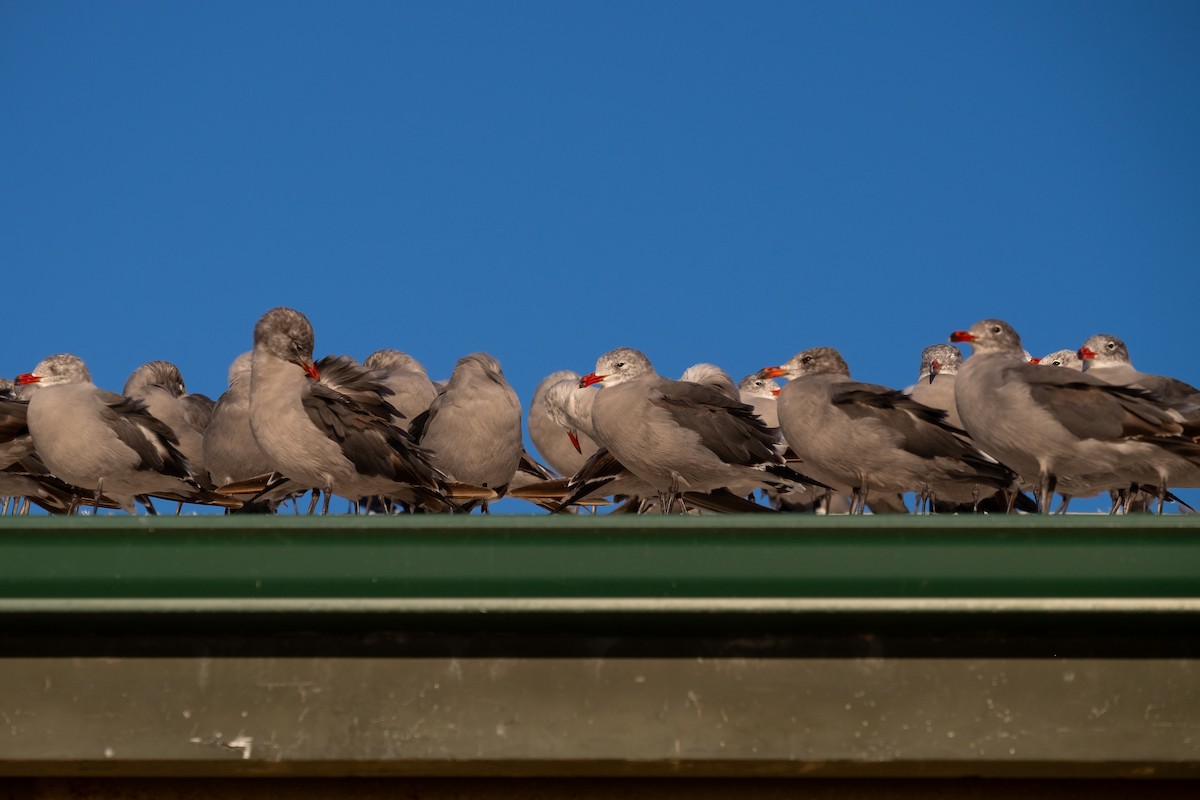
{"type": "Point", "coordinates": [725, 182]}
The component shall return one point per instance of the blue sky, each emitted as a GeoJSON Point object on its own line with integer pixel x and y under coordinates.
{"type": "Point", "coordinates": [723, 182]}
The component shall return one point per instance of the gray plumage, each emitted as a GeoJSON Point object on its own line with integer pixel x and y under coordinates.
{"type": "Point", "coordinates": [230, 450]}
{"type": "Point", "coordinates": [99, 440]}
{"type": "Point", "coordinates": [761, 394]}
{"type": "Point", "coordinates": [160, 386]}
{"type": "Point", "coordinates": [473, 428]}
{"type": "Point", "coordinates": [935, 380]}
{"type": "Point", "coordinates": [412, 390]}
{"type": "Point", "coordinates": [1106, 357]}
{"type": "Point", "coordinates": [322, 438]}
{"type": "Point", "coordinates": [713, 376]}
{"type": "Point", "coordinates": [677, 435]}
{"type": "Point", "coordinates": [1060, 429]}
{"type": "Point", "coordinates": [15, 441]}
{"type": "Point", "coordinates": [1062, 358]}
{"type": "Point", "coordinates": [552, 422]}
{"type": "Point", "coordinates": [862, 438]}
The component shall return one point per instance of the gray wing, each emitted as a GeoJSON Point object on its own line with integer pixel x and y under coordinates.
{"type": "Point", "coordinates": [856, 397]}
{"type": "Point", "coordinates": [364, 386]}
{"type": "Point", "coordinates": [152, 440]}
{"type": "Point", "coordinates": [13, 419]}
{"type": "Point", "coordinates": [198, 410]}
{"type": "Point", "coordinates": [728, 428]}
{"type": "Point", "coordinates": [371, 442]}
{"type": "Point", "coordinates": [920, 430]}
{"type": "Point", "coordinates": [1100, 410]}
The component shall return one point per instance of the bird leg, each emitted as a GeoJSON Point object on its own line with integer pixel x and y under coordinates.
{"type": "Point", "coordinates": [146, 504]}
{"type": "Point", "coordinates": [1120, 500]}
{"type": "Point", "coordinates": [96, 497]}
{"type": "Point", "coordinates": [1046, 492]}
{"type": "Point", "coordinates": [312, 503]}
{"type": "Point", "coordinates": [328, 497]}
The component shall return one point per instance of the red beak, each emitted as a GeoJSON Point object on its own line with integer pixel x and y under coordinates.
{"type": "Point", "coordinates": [28, 378]}
{"type": "Point", "coordinates": [589, 379]}
{"type": "Point", "coordinates": [772, 372]}
{"type": "Point", "coordinates": [962, 336]}
{"type": "Point", "coordinates": [776, 392]}
{"type": "Point", "coordinates": [1084, 353]}
{"type": "Point", "coordinates": [1035, 361]}
{"type": "Point", "coordinates": [311, 369]}
{"type": "Point", "coordinates": [575, 441]}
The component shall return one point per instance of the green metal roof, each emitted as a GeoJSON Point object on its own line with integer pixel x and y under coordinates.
{"type": "Point", "coordinates": [573, 562]}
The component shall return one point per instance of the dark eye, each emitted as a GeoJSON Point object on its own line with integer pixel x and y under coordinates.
{"type": "Point", "coordinates": [806, 360]}
{"type": "Point", "coordinates": [619, 364]}
{"type": "Point", "coordinates": [1111, 345]}
{"type": "Point", "coordinates": [995, 329]}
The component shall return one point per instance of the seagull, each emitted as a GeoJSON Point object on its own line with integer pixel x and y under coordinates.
{"type": "Point", "coordinates": [559, 439]}
{"type": "Point", "coordinates": [935, 380]}
{"type": "Point", "coordinates": [679, 436]}
{"type": "Point", "coordinates": [412, 390]}
{"type": "Point", "coordinates": [160, 386]}
{"type": "Point", "coordinates": [1061, 358]}
{"type": "Point", "coordinates": [714, 376]}
{"type": "Point", "coordinates": [1106, 357]}
{"type": "Point", "coordinates": [861, 437]}
{"type": "Point", "coordinates": [761, 394]}
{"type": "Point", "coordinates": [103, 441]}
{"type": "Point", "coordinates": [1062, 430]}
{"type": "Point", "coordinates": [340, 442]}
{"type": "Point", "coordinates": [472, 430]}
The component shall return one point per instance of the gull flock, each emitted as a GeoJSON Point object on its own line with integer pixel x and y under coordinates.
{"type": "Point", "coordinates": [996, 432]}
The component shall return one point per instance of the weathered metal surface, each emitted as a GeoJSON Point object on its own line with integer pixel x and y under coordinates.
{"type": "Point", "coordinates": [598, 716]}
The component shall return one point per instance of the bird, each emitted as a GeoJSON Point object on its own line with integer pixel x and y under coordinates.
{"type": "Point", "coordinates": [230, 449]}
{"type": "Point", "coordinates": [935, 380]}
{"type": "Point", "coordinates": [472, 430]}
{"type": "Point", "coordinates": [712, 375]}
{"type": "Point", "coordinates": [862, 438]}
{"type": "Point", "coordinates": [160, 386]}
{"type": "Point", "coordinates": [679, 436]}
{"type": "Point", "coordinates": [1061, 430]}
{"type": "Point", "coordinates": [338, 442]}
{"type": "Point", "coordinates": [103, 441]}
{"type": "Point", "coordinates": [1106, 357]}
{"type": "Point", "coordinates": [761, 394]}
{"type": "Point", "coordinates": [557, 438]}
{"type": "Point", "coordinates": [1062, 358]}
{"type": "Point", "coordinates": [412, 390]}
